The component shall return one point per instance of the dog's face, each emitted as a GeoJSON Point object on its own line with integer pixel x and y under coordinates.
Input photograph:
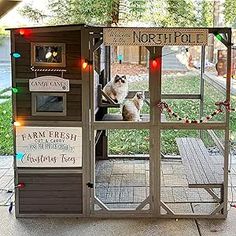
{"type": "Point", "coordinates": [140, 95]}
{"type": "Point", "coordinates": [120, 80]}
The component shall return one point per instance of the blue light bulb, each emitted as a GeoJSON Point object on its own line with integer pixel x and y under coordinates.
{"type": "Point", "coordinates": [16, 55]}
{"type": "Point", "coordinates": [19, 155]}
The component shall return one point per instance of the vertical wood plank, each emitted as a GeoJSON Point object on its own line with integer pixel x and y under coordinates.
{"type": "Point", "coordinates": [44, 193]}
{"type": "Point", "coordinates": [155, 131]}
{"type": "Point", "coordinates": [227, 131]}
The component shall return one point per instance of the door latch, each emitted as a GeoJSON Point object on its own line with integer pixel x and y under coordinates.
{"type": "Point", "coordinates": [90, 185]}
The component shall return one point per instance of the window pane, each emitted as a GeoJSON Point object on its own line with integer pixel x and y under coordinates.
{"type": "Point", "coordinates": [49, 104]}
{"type": "Point", "coordinates": [51, 54]}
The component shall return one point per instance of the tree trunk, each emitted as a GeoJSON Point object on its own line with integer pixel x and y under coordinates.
{"type": "Point", "coordinates": [218, 21]}
{"type": "Point", "coordinates": [115, 20]}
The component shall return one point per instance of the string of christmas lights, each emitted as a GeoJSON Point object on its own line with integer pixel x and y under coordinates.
{"type": "Point", "coordinates": [164, 106]}
{"type": "Point", "coordinates": [12, 191]}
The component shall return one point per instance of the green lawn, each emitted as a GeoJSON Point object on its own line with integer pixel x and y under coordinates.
{"type": "Point", "coordinates": [6, 137]}
{"type": "Point", "coordinates": [137, 141]}
{"type": "Point", "coordinates": [131, 142]}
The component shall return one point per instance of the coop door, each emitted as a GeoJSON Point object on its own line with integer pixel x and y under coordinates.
{"type": "Point", "coordinates": [120, 149]}
{"type": "Point", "coordinates": [121, 168]}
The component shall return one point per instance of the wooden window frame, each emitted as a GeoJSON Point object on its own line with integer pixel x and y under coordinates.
{"type": "Point", "coordinates": [48, 64]}
{"type": "Point", "coordinates": [49, 113]}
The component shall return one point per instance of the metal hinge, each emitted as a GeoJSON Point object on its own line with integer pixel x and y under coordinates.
{"type": "Point", "coordinates": [90, 185]}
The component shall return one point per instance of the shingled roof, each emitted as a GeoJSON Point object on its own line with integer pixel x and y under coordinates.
{"type": "Point", "coordinates": [7, 5]}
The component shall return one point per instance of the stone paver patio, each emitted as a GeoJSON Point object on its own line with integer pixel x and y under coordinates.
{"type": "Point", "coordinates": [124, 183]}
{"type": "Point", "coordinates": [6, 180]}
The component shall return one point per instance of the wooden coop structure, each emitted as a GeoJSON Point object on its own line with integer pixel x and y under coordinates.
{"type": "Point", "coordinates": [60, 120]}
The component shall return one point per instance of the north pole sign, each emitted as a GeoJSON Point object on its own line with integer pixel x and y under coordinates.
{"type": "Point", "coordinates": [154, 36]}
{"type": "Point", "coordinates": [48, 146]}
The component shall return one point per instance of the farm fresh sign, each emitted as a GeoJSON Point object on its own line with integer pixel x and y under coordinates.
{"type": "Point", "coordinates": [48, 146]}
{"type": "Point", "coordinates": [154, 36]}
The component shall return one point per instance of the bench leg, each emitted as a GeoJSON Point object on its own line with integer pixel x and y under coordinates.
{"type": "Point", "coordinates": [211, 192]}
{"type": "Point", "coordinates": [217, 209]}
{"type": "Point", "coordinates": [222, 197]}
{"type": "Point", "coordinates": [168, 210]}
{"type": "Point", "coordinates": [220, 207]}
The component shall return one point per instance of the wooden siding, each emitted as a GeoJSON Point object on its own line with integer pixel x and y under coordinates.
{"type": "Point", "coordinates": [73, 100]}
{"type": "Point", "coordinates": [72, 39]}
{"type": "Point", "coordinates": [50, 193]}
{"type": "Point", "coordinates": [22, 72]}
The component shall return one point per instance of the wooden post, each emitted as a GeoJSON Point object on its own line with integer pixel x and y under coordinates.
{"type": "Point", "coordinates": [86, 123]}
{"type": "Point", "coordinates": [14, 116]}
{"type": "Point", "coordinates": [227, 131]}
{"type": "Point", "coordinates": [202, 85]}
{"type": "Point", "coordinates": [139, 55]}
{"type": "Point", "coordinates": [107, 75]}
{"type": "Point", "coordinates": [155, 131]}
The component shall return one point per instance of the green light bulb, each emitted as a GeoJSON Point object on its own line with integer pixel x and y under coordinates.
{"type": "Point", "coordinates": [15, 90]}
{"type": "Point", "coordinates": [219, 37]}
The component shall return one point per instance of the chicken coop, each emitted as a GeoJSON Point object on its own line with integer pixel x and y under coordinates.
{"type": "Point", "coordinates": [63, 129]}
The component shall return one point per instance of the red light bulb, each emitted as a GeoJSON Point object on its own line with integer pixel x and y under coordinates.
{"type": "Point", "coordinates": [25, 32]}
{"type": "Point", "coordinates": [22, 32]}
{"type": "Point", "coordinates": [20, 185]}
{"type": "Point", "coordinates": [154, 63]}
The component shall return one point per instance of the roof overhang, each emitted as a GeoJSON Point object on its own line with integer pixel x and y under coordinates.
{"type": "Point", "coordinates": [7, 5]}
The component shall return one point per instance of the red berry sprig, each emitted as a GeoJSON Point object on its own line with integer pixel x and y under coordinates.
{"type": "Point", "coordinates": [164, 106]}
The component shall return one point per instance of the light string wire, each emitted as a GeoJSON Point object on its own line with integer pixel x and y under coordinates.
{"type": "Point", "coordinates": [231, 203]}
{"type": "Point", "coordinates": [221, 104]}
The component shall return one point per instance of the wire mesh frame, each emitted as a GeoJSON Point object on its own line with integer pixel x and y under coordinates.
{"type": "Point", "coordinates": [155, 202]}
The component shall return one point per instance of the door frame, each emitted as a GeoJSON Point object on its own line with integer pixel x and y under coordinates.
{"type": "Point", "coordinates": [154, 131]}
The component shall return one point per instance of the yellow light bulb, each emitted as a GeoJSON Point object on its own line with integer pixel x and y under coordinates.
{"type": "Point", "coordinates": [54, 54]}
{"type": "Point", "coordinates": [17, 123]}
{"type": "Point", "coordinates": [48, 55]}
{"type": "Point", "coordinates": [85, 64]}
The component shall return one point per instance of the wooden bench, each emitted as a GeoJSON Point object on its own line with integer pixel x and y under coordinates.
{"type": "Point", "coordinates": [202, 170]}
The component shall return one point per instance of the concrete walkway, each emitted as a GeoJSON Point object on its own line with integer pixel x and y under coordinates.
{"type": "Point", "coordinates": [219, 82]}
{"type": "Point", "coordinates": [5, 75]}
{"type": "Point", "coordinates": [171, 62]}
{"type": "Point", "coordinates": [6, 180]}
{"type": "Point", "coordinates": [10, 226]}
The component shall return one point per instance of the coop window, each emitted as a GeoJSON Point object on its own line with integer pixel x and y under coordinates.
{"type": "Point", "coordinates": [49, 104]}
{"type": "Point", "coordinates": [48, 54]}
